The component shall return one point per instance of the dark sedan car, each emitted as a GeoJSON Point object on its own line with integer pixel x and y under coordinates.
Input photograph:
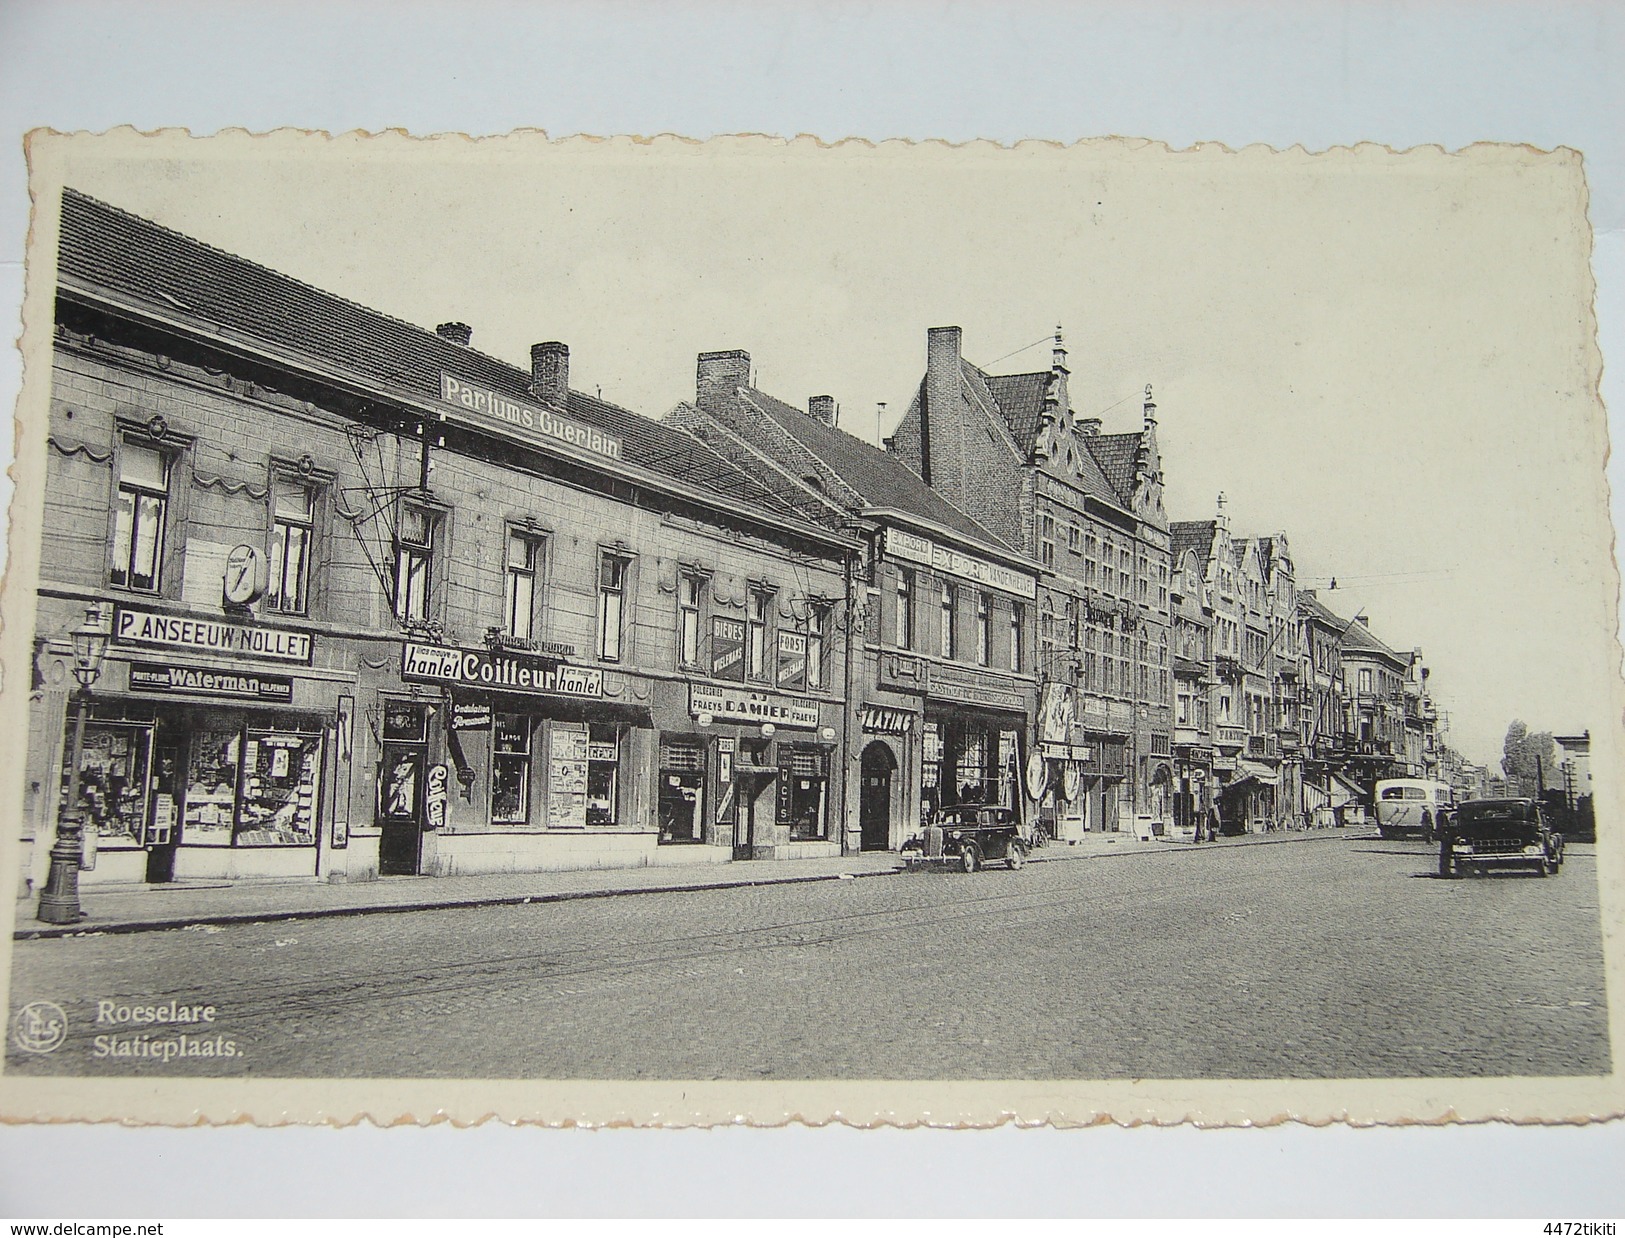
{"type": "Point", "coordinates": [967, 835]}
{"type": "Point", "coordinates": [1504, 833]}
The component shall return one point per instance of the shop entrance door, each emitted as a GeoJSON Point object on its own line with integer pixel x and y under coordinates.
{"type": "Point", "coordinates": [874, 801]}
{"type": "Point", "coordinates": [163, 813]}
{"type": "Point", "coordinates": [400, 790]}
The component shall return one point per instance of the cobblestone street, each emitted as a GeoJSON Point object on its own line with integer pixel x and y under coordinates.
{"type": "Point", "coordinates": [1325, 956]}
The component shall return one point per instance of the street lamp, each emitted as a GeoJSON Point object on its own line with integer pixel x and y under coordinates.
{"type": "Point", "coordinates": [59, 901]}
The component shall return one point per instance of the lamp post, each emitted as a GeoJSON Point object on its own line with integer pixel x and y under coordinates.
{"type": "Point", "coordinates": [59, 901]}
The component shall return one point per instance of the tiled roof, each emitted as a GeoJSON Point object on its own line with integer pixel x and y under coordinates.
{"type": "Point", "coordinates": [1019, 399]}
{"type": "Point", "coordinates": [1360, 637]}
{"type": "Point", "coordinates": [1115, 453]}
{"type": "Point", "coordinates": [1194, 535]}
{"type": "Point", "coordinates": [880, 477]}
{"type": "Point", "coordinates": [121, 252]}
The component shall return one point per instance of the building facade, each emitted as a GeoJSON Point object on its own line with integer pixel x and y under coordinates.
{"type": "Point", "coordinates": [945, 695]}
{"type": "Point", "coordinates": [381, 604]}
{"type": "Point", "coordinates": [1087, 507]}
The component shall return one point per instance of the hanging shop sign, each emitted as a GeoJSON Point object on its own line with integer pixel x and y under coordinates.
{"type": "Point", "coordinates": [879, 720]}
{"type": "Point", "coordinates": [1057, 714]}
{"type": "Point", "coordinates": [135, 625]}
{"type": "Point", "coordinates": [727, 649]}
{"type": "Point", "coordinates": [471, 716]}
{"type": "Point", "coordinates": [198, 681]}
{"type": "Point", "coordinates": [733, 705]}
{"type": "Point", "coordinates": [913, 548]}
{"type": "Point", "coordinates": [1036, 775]}
{"type": "Point", "coordinates": [497, 671]}
{"type": "Point", "coordinates": [529, 421]}
{"type": "Point", "coordinates": [902, 671]}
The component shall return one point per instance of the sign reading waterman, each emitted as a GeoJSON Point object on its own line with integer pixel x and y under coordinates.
{"type": "Point", "coordinates": [244, 685]}
{"type": "Point", "coordinates": [537, 422]}
{"type": "Point", "coordinates": [497, 671]}
{"type": "Point", "coordinates": [146, 627]}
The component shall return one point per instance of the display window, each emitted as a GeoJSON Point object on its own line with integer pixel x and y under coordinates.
{"type": "Point", "coordinates": [603, 774]}
{"type": "Point", "coordinates": [113, 766]}
{"type": "Point", "coordinates": [567, 745]}
{"type": "Point", "coordinates": [681, 797]}
{"type": "Point", "coordinates": [281, 779]}
{"type": "Point", "coordinates": [211, 787]}
{"type": "Point", "coordinates": [510, 769]}
{"type": "Point", "coordinates": [803, 792]}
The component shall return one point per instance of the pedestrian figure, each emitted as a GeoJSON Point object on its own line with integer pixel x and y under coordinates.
{"type": "Point", "coordinates": [1215, 823]}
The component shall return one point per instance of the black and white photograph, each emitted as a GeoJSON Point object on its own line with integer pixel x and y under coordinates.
{"type": "Point", "coordinates": [774, 624]}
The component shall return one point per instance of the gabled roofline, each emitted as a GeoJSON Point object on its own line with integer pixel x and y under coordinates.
{"type": "Point", "coordinates": [96, 296]}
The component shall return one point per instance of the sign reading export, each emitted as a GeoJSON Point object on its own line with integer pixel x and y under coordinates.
{"type": "Point", "coordinates": [901, 544]}
{"type": "Point", "coordinates": [497, 671]}
{"type": "Point", "coordinates": [147, 627]}
{"type": "Point", "coordinates": [536, 422]}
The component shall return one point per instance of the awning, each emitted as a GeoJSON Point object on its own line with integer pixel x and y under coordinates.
{"type": "Point", "coordinates": [1345, 792]}
{"type": "Point", "coordinates": [1261, 774]}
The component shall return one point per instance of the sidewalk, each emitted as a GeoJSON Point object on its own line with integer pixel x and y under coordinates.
{"type": "Point", "coordinates": [147, 908]}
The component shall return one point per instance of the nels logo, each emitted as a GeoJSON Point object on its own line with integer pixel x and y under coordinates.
{"type": "Point", "coordinates": [40, 1027]}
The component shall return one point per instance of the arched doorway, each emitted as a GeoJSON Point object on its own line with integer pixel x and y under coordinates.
{"type": "Point", "coordinates": [874, 797]}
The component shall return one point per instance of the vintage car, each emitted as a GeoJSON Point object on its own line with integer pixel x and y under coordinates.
{"type": "Point", "coordinates": [968, 835]}
{"type": "Point", "coordinates": [1502, 833]}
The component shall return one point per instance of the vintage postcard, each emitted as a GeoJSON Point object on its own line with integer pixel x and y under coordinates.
{"type": "Point", "coordinates": [668, 632]}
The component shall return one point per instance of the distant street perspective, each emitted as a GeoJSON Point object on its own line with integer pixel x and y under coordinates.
{"type": "Point", "coordinates": [1332, 955]}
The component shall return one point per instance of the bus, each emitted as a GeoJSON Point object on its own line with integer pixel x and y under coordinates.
{"type": "Point", "coordinates": [1411, 806]}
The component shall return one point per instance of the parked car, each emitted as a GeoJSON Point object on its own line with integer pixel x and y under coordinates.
{"type": "Point", "coordinates": [1503, 833]}
{"type": "Point", "coordinates": [967, 836]}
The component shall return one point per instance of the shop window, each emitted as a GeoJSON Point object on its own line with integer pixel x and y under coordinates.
{"type": "Point", "coordinates": [612, 573]}
{"type": "Point", "coordinates": [1018, 616]}
{"type": "Point", "coordinates": [984, 630]}
{"type": "Point", "coordinates": [567, 747]}
{"type": "Point", "coordinates": [930, 769]}
{"type": "Point", "coordinates": [141, 517]}
{"type": "Point", "coordinates": [113, 767]}
{"type": "Point", "coordinates": [211, 786]}
{"type": "Point", "coordinates": [947, 607]}
{"type": "Point", "coordinates": [904, 632]}
{"type": "Point", "coordinates": [603, 774]}
{"type": "Point", "coordinates": [281, 777]}
{"type": "Point", "coordinates": [803, 792]}
{"type": "Point", "coordinates": [682, 792]}
{"type": "Point", "coordinates": [523, 565]}
{"type": "Point", "coordinates": [758, 620]}
{"type": "Point", "coordinates": [510, 769]}
{"type": "Point", "coordinates": [293, 527]}
{"type": "Point", "coordinates": [690, 595]}
{"type": "Point", "coordinates": [414, 562]}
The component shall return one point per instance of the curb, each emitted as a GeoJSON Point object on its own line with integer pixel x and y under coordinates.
{"type": "Point", "coordinates": [221, 919]}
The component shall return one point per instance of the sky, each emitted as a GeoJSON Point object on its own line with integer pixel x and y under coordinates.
{"type": "Point", "coordinates": [1386, 357]}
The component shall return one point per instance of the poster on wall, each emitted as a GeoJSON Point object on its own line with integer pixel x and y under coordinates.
{"type": "Point", "coordinates": [793, 660]}
{"type": "Point", "coordinates": [727, 649]}
{"type": "Point", "coordinates": [567, 776]}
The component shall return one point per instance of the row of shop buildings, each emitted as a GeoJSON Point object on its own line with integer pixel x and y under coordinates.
{"type": "Point", "coordinates": [377, 603]}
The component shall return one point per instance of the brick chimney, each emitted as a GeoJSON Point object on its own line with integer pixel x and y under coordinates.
{"type": "Point", "coordinates": [550, 373]}
{"type": "Point", "coordinates": [717, 375]}
{"type": "Point", "coordinates": [457, 332]}
{"type": "Point", "coordinates": [822, 408]}
{"type": "Point", "coordinates": [942, 421]}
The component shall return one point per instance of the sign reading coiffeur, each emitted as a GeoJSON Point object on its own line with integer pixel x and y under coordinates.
{"type": "Point", "coordinates": [499, 672]}
{"type": "Point", "coordinates": [532, 420]}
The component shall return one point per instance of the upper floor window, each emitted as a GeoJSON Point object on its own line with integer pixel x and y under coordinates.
{"type": "Point", "coordinates": [817, 628]}
{"type": "Point", "coordinates": [519, 597]}
{"type": "Point", "coordinates": [1365, 679]}
{"type": "Point", "coordinates": [758, 619]}
{"type": "Point", "coordinates": [690, 594]}
{"type": "Point", "coordinates": [414, 561]}
{"type": "Point", "coordinates": [612, 574]}
{"type": "Point", "coordinates": [948, 646]}
{"type": "Point", "coordinates": [984, 630]}
{"type": "Point", "coordinates": [1046, 540]}
{"type": "Point", "coordinates": [1018, 614]}
{"type": "Point", "coordinates": [143, 512]}
{"type": "Point", "coordinates": [293, 529]}
{"type": "Point", "coordinates": [905, 609]}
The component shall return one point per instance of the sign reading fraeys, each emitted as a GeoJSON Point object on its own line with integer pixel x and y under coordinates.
{"type": "Point", "coordinates": [133, 625]}
{"type": "Point", "coordinates": [732, 705]}
{"type": "Point", "coordinates": [530, 420]}
{"type": "Point", "coordinates": [901, 544]}
{"type": "Point", "coordinates": [497, 671]}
